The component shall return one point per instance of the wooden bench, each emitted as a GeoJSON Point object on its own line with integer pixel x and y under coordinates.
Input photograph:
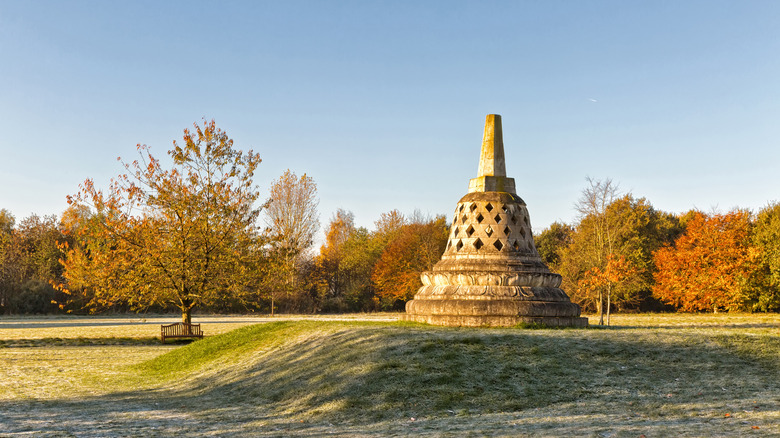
{"type": "Point", "coordinates": [180, 330]}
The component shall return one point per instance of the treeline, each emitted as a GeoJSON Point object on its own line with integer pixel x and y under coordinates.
{"type": "Point", "coordinates": [625, 255]}
{"type": "Point", "coordinates": [355, 270]}
{"type": "Point", "coordinates": [628, 256]}
{"type": "Point", "coordinates": [198, 236]}
{"type": "Point", "coordinates": [360, 270]}
{"type": "Point", "coordinates": [29, 263]}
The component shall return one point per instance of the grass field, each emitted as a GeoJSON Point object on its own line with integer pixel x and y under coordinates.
{"type": "Point", "coordinates": [652, 375]}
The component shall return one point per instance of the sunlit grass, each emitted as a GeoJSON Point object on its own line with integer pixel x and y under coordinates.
{"type": "Point", "coordinates": [766, 321]}
{"type": "Point", "coordinates": [658, 375]}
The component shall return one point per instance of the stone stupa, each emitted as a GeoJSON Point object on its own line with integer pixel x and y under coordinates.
{"type": "Point", "coordinates": [491, 274]}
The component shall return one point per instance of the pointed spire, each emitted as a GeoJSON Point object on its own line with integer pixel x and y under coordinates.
{"type": "Point", "coordinates": [491, 160]}
{"type": "Point", "coordinates": [492, 165]}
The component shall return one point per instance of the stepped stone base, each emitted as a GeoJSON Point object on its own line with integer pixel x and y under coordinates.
{"type": "Point", "coordinates": [496, 321]}
{"type": "Point", "coordinates": [494, 312]}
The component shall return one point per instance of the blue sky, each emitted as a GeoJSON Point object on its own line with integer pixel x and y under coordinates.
{"type": "Point", "coordinates": [383, 103]}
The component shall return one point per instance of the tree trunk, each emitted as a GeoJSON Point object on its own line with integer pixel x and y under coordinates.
{"type": "Point", "coordinates": [609, 301]}
{"type": "Point", "coordinates": [291, 279]}
{"type": "Point", "coordinates": [601, 308]}
{"type": "Point", "coordinates": [186, 315]}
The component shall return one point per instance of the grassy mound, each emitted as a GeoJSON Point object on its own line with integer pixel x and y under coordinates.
{"type": "Point", "coordinates": [379, 371]}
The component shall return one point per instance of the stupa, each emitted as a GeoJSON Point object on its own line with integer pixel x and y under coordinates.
{"type": "Point", "coordinates": [490, 273]}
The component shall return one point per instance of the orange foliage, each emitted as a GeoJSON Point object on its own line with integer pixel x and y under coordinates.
{"type": "Point", "coordinates": [416, 248]}
{"type": "Point", "coordinates": [707, 267]}
{"type": "Point", "coordinates": [600, 282]}
{"type": "Point", "coordinates": [616, 270]}
{"type": "Point", "coordinates": [183, 237]}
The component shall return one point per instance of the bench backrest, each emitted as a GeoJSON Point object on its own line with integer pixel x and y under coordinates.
{"type": "Point", "coordinates": [180, 329]}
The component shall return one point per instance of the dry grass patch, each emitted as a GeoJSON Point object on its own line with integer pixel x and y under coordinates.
{"type": "Point", "coordinates": [669, 375]}
{"type": "Point", "coordinates": [54, 372]}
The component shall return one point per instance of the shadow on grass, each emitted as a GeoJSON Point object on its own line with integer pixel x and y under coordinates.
{"type": "Point", "coordinates": [76, 342]}
{"type": "Point", "coordinates": [363, 374]}
{"type": "Point", "coordinates": [79, 323]}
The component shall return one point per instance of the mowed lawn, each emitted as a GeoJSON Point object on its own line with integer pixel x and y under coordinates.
{"type": "Point", "coordinates": [365, 375]}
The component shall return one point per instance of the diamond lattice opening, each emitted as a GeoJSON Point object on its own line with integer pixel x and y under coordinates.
{"type": "Point", "coordinates": [480, 218]}
{"type": "Point", "coordinates": [505, 208]}
{"type": "Point", "coordinates": [489, 231]}
{"type": "Point", "coordinates": [464, 219]}
{"type": "Point", "coordinates": [507, 231]}
{"type": "Point", "coordinates": [469, 231]}
{"type": "Point", "coordinates": [517, 245]}
{"type": "Point", "coordinates": [514, 220]}
{"type": "Point", "coordinates": [498, 245]}
{"type": "Point", "coordinates": [459, 246]}
{"type": "Point", "coordinates": [497, 218]}
{"type": "Point", "coordinates": [478, 244]}
{"type": "Point", "coordinates": [455, 232]}
{"type": "Point", "coordinates": [522, 232]}
{"type": "Point", "coordinates": [473, 207]}
{"type": "Point", "coordinates": [525, 219]}
{"type": "Point", "coordinates": [489, 207]}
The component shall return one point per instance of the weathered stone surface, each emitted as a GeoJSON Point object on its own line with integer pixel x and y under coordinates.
{"type": "Point", "coordinates": [491, 176]}
{"type": "Point", "coordinates": [491, 274]}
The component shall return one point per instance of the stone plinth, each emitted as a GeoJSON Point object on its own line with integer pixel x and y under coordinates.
{"type": "Point", "coordinates": [491, 274]}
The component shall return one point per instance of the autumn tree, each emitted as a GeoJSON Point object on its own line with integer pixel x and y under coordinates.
{"type": "Point", "coordinates": [185, 236]}
{"type": "Point", "coordinates": [359, 257]}
{"type": "Point", "coordinates": [552, 241]}
{"type": "Point", "coordinates": [29, 263]}
{"type": "Point", "coordinates": [416, 248]}
{"type": "Point", "coordinates": [765, 241]}
{"type": "Point", "coordinates": [362, 270]}
{"type": "Point", "coordinates": [389, 223]}
{"type": "Point", "coordinates": [291, 212]}
{"type": "Point", "coordinates": [40, 237]}
{"type": "Point", "coordinates": [7, 256]}
{"type": "Point", "coordinates": [332, 277]}
{"type": "Point", "coordinates": [360, 254]}
{"type": "Point", "coordinates": [612, 227]}
{"type": "Point", "coordinates": [709, 266]}
{"type": "Point", "coordinates": [292, 217]}
{"type": "Point", "coordinates": [639, 230]}
{"type": "Point", "coordinates": [599, 244]}
{"type": "Point", "coordinates": [7, 221]}
{"type": "Point", "coordinates": [615, 271]}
